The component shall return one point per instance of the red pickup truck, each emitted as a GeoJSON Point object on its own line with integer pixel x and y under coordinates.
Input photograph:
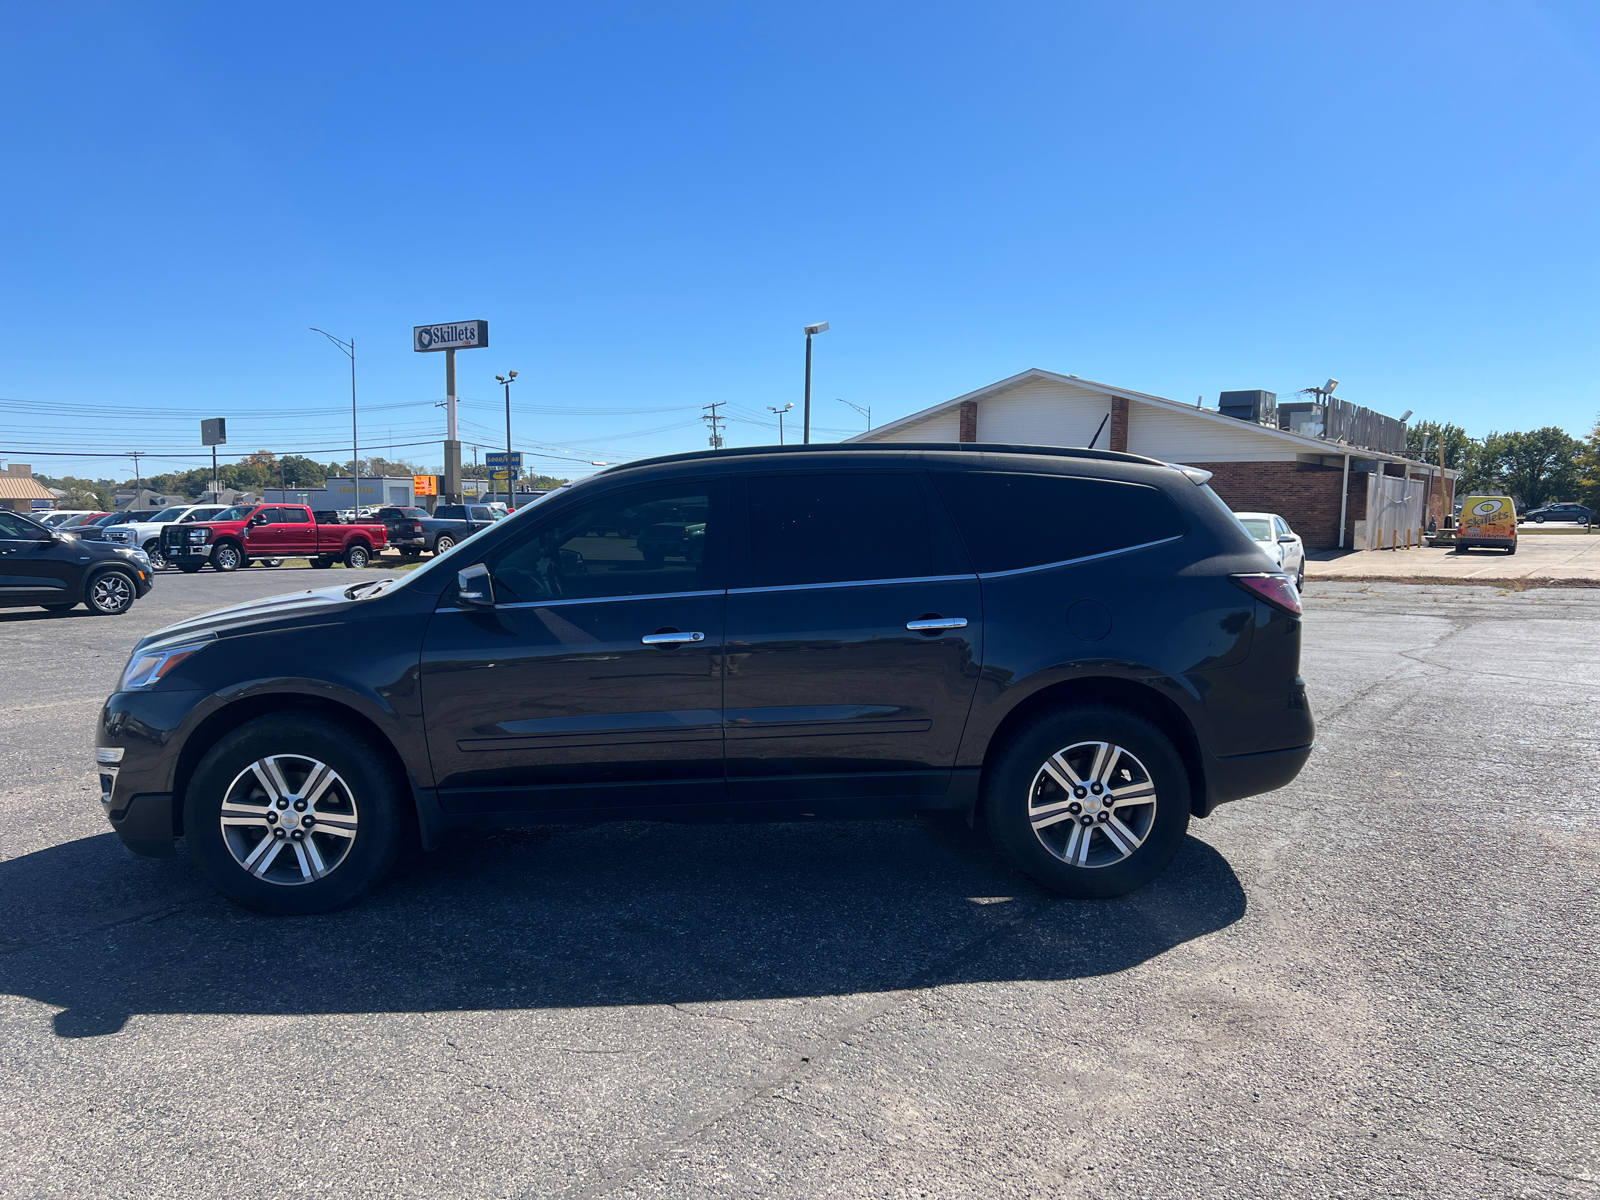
{"type": "Point", "coordinates": [269, 531]}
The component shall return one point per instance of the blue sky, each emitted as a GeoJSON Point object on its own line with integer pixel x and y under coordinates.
{"type": "Point", "coordinates": [647, 202]}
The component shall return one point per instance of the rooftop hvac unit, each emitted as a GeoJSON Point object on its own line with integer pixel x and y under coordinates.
{"type": "Point", "coordinates": [1257, 407]}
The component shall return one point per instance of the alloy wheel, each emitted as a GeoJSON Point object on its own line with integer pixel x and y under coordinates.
{"type": "Point", "coordinates": [289, 801]}
{"type": "Point", "coordinates": [1092, 804]}
{"type": "Point", "coordinates": [225, 558]}
{"type": "Point", "coordinates": [443, 545]}
{"type": "Point", "coordinates": [111, 593]}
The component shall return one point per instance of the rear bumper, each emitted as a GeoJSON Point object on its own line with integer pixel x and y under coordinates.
{"type": "Point", "coordinates": [1241, 775]}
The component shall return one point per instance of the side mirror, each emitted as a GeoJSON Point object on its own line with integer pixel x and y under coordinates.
{"type": "Point", "coordinates": [474, 588]}
{"type": "Point", "coordinates": [1288, 537]}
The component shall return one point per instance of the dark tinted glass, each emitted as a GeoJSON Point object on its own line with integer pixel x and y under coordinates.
{"type": "Point", "coordinates": [293, 516]}
{"type": "Point", "coordinates": [13, 526]}
{"type": "Point", "coordinates": [637, 543]}
{"type": "Point", "coordinates": [828, 528]}
{"type": "Point", "coordinates": [1010, 520]}
{"type": "Point", "coordinates": [451, 512]}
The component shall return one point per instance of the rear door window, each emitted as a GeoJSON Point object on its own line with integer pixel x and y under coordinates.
{"type": "Point", "coordinates": [1011, 521]}
{"type": "Point", "coordinates": [821, 527]}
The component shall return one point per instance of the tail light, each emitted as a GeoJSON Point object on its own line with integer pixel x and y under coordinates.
{"type": "Point", "coordinates": [416, 527]}
{"type": "Point", "coordinates": [1276, 590]}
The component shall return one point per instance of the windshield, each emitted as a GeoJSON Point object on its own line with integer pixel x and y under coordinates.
{"type": "Point", "coordinates": [1257, 528]}
{"type": "Point", "coordinates": [237, 513]}
{"type": "Point", "coordinates": [168, 514]}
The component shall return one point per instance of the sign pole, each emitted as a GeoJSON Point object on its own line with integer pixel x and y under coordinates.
{"type": "Point", "coordinates": [450, 337]}
{"type": "Point", "coordinates": [452, 437]}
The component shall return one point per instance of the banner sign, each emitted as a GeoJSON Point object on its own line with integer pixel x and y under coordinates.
{"type": "Point", "coordinates": [456, 335]}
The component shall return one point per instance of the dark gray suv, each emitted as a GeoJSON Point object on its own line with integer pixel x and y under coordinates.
{"type": "Point", "coordinates": [1082, 650]}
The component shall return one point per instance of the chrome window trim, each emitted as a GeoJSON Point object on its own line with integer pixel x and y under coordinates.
{"type": "Point", "coordinates": [845, 583]}
{"type": "Point", "coordinates": [589, 600]}
{"type": "Point", "coordinates": [1069, 562]}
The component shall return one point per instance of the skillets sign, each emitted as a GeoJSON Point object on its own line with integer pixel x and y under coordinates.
{"type": "Point", "coordinates": [454, 335]}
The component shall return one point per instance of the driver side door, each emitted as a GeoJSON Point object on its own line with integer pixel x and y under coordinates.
{"type": "Point", "coordinates": [36, 568]}
{"type": "Point", "coordinates": [595, 680]}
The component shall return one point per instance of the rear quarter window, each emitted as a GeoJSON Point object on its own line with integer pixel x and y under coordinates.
{"type": "Point", "coordinates": [1010, 521]}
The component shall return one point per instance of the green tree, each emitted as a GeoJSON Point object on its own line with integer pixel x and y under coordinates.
{"type": "Point", "coordinates": [1534, 468]}
{"type": "Point", "coordinates": [1455, 438]}
{"type": "Point", "coordinates": [94, 494]}
{"type": "Point", "coordinates": [1589, 468]}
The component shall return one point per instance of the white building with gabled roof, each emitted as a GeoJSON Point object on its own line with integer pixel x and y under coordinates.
{"type": "Point", "coordinates": [1255, 467]}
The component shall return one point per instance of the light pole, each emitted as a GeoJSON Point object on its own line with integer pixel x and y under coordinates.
{"type": "Point", "coordinates": [811, 331]}
{"type": "Point", "coordinates": [355, 443]}
{"type": "Point", "coordinates": [138, 482]}
{"type": "Point", "coordinates": [507, 380]}
{"type": "Point", "coordinates": [780, 412]}
{"type": "Point", "coordinates": [865, 412]}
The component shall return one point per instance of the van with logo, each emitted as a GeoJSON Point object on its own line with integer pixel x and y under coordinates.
{"type": "Point", "coordinates": [1489, 521]}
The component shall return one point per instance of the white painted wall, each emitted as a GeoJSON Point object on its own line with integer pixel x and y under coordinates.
{"type": "Point", "coordinates": [1047, 412]}
{"type": "Point", "coordinates": [941, 427]}
{"type": "Point", "coordinates": [1176, 436]}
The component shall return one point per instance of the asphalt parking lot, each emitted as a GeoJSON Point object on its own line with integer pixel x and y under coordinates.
{"type": "Point", "coordinates": [1380, 981]}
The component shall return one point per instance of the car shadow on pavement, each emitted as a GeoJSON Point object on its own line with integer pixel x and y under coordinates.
{"type": "Point", "coordinates": [633, 914]}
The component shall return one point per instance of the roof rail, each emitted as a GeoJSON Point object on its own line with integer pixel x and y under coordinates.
{"type": "Point", "coordinates": [863, 447]}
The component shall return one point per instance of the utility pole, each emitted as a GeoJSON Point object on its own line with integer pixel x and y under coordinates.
{"type": "Point", "coordinates": [138, 482]}
{"type": "Point", "coordinates": [714, 419]}
{"type": "Point", "coordinates": [349, 349]}
{"type": "Point", "coordinates": [216, 489]}
{"type": "Point", "coordinates": [865, 412]}
{"type": "Point", "coordinates": [507, 380]}
{"type": "Point", "coordinates": [780, 412]}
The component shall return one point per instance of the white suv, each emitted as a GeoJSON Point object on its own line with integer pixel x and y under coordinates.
{"type": "Point", "coordinates": [146, 535]}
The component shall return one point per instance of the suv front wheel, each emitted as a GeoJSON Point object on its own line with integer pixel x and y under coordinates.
{"type": "Point", "coordinates": [290, 814]}
{"type": "Point", "coordinates": [1092, 802]}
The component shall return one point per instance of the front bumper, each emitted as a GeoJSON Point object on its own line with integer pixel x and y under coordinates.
{"type": "Point", "coordinates": [187, 552]}
{"type": "Point", "coordinates": [136, 791]}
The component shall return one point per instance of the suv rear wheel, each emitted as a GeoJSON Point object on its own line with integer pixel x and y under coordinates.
{"type": "Point", "coordinates": [1090, 801]}
{"type": "Point", "coordinates": [290, 814]}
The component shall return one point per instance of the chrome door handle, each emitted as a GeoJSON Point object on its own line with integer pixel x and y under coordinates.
{"type": "Point", "coordinates": [937, 623]}
{"type": "Point", "coordinates": [671, 639]}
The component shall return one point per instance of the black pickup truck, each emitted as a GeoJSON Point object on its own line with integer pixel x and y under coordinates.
{"type": "Point", "coordinates": [412, 530]}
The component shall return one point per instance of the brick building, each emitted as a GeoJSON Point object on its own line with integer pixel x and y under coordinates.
{"type": "Point", "coordinates": [1254, 467]}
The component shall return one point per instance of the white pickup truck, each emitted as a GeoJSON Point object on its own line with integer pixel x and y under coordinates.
{"type": "Point", "coordinates": [146, 535]}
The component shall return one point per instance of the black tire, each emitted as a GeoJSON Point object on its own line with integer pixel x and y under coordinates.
{"type": "Point", "coordinates": [58, 608]}
{"type": "Point", "coordinates": [228, 557]}
{"type": "Point", "coordinates": [1511, 549]}
{"type": "Point", "coordinates": [357, 557]}
{"type": "Point", "coordinates": [152, 550]}
{"type": "Point", "coordinates": [322, 563]}
{"type": "Point", "coordinates": [190, 568]}
{"type": "Point", "coordinates": [109, 593]}
{"type": "Point", "coordinates": [443, 543]}
{"type": "Point", "coordinates": [266, 562]}
{"type": "Point", "coordinates": [1016, 785]}
{"type": "Point", "coordinates": [1539, 520]}
{"type": "Point", "coordinates": [367, 798]}
{"type": "Point", "coordinates": [1300, 579]}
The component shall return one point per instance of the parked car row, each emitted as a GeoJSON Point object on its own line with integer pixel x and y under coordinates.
{"type": "Point", "coordinates": [234, 537]}
{"type": "Point", "coordinates": [47, 568]}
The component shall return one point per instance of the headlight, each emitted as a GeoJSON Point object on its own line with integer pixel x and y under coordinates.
{"type": "Point", "coordinates": [148, 667]}
{"type": "Point", "coordinates": [199, 535]}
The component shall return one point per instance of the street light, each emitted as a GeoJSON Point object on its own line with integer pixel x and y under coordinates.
{"type": "Point", "coordinates": [780, 412]}
{"type": "Point", "coordinates": [811, 331]}
{"type": "Point", "coordinates": [355, 443]}
{"type": "Point", "coordinates": [507, 380]}
{"type": "Point", "coordinates": [865, 412]}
